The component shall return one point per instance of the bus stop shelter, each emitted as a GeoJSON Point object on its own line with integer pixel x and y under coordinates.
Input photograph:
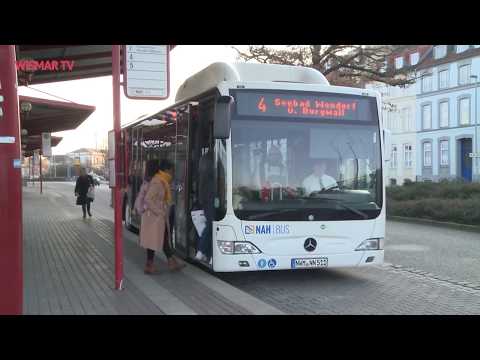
{"type": "Point", "coordinates": [40, 64]}
{"type": "Point", "coordinates": [40, 115]}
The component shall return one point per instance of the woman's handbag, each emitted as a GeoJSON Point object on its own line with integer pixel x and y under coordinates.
{"type": "Point", "coordinates": [91, 193]}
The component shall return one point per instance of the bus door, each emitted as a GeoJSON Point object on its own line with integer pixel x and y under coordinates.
{"type": "Point", "coordinates": [136, 172]}
{"type": "Point", "coordinates": [182, 218]}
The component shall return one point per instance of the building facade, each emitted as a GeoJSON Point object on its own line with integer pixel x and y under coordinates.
{"type": "Point", "coordinates": [447, 112]}
{"type": "Point", "coordinates": [91, 159]}
{"type": "Point", "coordinates": [399, 115]}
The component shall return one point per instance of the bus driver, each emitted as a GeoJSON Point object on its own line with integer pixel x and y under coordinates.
{"type": "Point", "coordinates": [318, 180]}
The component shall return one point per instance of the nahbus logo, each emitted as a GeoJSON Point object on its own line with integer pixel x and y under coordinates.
{"type": "Point", "coordinates": [267, 229]}
{"type": "Point", "coordinates": [45, 65]}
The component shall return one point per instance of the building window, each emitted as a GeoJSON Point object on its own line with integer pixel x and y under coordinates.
{"type": "Point", "coordinates": [414, 58]}
{"type": "Point", "coordinates": [403, 119]}
{"type": "Point", "coordinates": [464, 74]}
{"type": "Point", "coordinates": [398, 62]}
{"type": "Point", "coordinates": [393, 163]}
{"type": "Point", "coordinates": [462, 48]}
{"type": "Point", "coordinates": [440, 51]}
{"type": "Point", "coordinates": [444, 153]}
{"type": "Point", "coordinates": [411, 120]}
{"type": "Point", "coordinates": [407, 155]}
{"type": "Point", "coordinates": [393, 182]}
{"type": "Point", "coordinates": [427, 116]}
{"type": "Point", "coordinates": [427, 83]}
{"type": "Point", "coordinates": [427, 154]}
{"type": "Point", "coordinates": [464, 113]}
{"type": "Point", "coordinates": [443, 79]}
{"type": "Point", "coordinates": [443, 114]}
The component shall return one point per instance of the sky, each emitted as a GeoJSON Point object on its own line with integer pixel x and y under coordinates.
{"type": "Point", "coordinates": [185, 60]}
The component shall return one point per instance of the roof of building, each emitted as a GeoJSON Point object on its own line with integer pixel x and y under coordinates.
{"type": "Point", "coordinates": [451, 56]}
{"type": "Point", "coordinates": [405, 51]}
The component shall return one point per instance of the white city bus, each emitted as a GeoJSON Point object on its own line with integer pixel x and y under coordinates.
{"type": "Point", "coordinates": [297, 173]}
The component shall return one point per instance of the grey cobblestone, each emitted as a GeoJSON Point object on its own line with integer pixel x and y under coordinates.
{"type": "Point", "coordinates": [69, 269]}
{"type": "Point", "coordinates": [389, 289]}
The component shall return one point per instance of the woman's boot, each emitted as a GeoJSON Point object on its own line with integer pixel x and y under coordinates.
{"type": "Point", "coordinates": [173, 264]}
{"type": "Point", "coordinates": [149, 268]}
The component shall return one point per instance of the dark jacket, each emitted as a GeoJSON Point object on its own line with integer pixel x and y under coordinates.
{"type": "Point", "coordinates": [81, 188]}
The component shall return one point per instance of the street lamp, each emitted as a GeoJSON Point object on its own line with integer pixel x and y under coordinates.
{"type": "Point", "coordinates": [476, 174]}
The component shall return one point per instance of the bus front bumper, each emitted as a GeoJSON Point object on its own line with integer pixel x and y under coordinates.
{"type": "Point", "coordinates": [265, 262]}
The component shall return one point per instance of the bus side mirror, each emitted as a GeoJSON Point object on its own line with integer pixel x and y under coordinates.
{"type": "Point", "coordinates": [222, 118]}
{"type": "Point", "coordinates": [387, 144]}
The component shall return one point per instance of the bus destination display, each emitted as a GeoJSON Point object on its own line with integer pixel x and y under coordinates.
{"type": "Point", "coordinates": [326, 106]}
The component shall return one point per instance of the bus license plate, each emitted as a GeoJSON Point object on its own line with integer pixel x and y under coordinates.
{"type": "Point", "coordinates": [309, 263]}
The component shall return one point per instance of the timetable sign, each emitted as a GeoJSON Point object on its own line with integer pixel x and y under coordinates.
{"type": "Point", "coordinates": [146, 71]}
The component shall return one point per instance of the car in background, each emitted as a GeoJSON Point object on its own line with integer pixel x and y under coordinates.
{"type": "Point", "coordinates": [96, 179]}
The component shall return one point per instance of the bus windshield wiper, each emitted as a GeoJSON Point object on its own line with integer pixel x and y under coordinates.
{"type": "Point", "coordinates": [280, 211]}
{"type": "Point", "coordinates": [352, 209]}
{"type": "Point", "coordinates": [341, 203]}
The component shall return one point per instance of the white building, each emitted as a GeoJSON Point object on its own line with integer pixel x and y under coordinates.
{"type": "Point", "coordinates": [399, 116]}
{"type": "Point", "coordinates": [447, 112]}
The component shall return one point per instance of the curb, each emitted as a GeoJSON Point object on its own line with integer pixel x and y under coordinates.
{"type": "Point", "coordinates": [231, 293]}
{"type": "Point", "coordinates": [450, 225]}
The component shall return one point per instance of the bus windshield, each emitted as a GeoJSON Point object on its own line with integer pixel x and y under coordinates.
{"type": "Point", "coordinates": [294, 162]}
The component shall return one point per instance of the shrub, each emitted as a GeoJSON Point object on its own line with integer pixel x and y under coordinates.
{"type": "Point", "coordinates": [424, 190]}
{"type": "Point", "coordinates": [451, 201]}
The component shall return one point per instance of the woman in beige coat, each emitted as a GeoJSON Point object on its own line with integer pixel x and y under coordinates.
{"type": "Point", "coordinates": [155, 228]}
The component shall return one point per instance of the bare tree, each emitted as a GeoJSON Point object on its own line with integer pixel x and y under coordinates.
{"type": "Point", "coordinates": [349, 65]}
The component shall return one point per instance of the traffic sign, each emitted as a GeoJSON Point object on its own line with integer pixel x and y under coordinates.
{"type": "Point", "coordinates": [146, 71]}
{"type": "Point", "coordinates": [46, 144]}
{"type": "Point", "coordinates": [473, 155]}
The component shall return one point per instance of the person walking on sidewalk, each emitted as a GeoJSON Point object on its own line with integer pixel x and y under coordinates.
{"type": "Point", "coordinates": [155, 225]}
{"type": "Point", "coordinates": [82, 187]}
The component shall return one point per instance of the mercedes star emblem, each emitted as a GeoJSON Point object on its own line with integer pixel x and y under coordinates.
{"type": "Point", "coordinates": [310, 244]}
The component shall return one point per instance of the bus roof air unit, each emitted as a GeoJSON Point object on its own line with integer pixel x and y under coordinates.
{"type": "Point", "coordinates": [216, 73]}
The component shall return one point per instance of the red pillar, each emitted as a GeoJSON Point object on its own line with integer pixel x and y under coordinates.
{"type": "Point", "coordinates": [11, 272]}
{"type": "Point", "coordinates": [118, 176]}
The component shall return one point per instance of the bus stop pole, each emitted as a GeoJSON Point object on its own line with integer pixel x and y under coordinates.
{"type": "Point", "coordinates": [11, 262]}
{"type": "Point", "coordinates": [118, 178]}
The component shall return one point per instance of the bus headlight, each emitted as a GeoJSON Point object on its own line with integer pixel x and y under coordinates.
{"type": "Point", "coordinates": [237, 247]}
{"type": "Point", "coordinates": [371, 244]}
{"type": "Point", "coordinates": [245, 248]}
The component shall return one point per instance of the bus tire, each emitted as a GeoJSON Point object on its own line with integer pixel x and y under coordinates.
{"type": "Point", "coordinates": [128, 218]}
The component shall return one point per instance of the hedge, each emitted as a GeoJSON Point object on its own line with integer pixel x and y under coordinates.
{"type": "Point", "coordinates": [445, 201]}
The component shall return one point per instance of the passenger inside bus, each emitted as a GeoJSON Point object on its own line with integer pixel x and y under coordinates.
{"type": "Point", "coordinates": [319, 180]}
{"type": "Point", "coordinates": [275, 177]}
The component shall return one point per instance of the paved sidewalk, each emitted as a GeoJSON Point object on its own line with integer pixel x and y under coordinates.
{"type": "Point", "coordinates": [69, 269]}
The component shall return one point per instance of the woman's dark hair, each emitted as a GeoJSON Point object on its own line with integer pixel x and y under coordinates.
{"type": "Point", "coordinates": [165, 165]}
{"type": "Point", "coordinates": [151, 168]}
